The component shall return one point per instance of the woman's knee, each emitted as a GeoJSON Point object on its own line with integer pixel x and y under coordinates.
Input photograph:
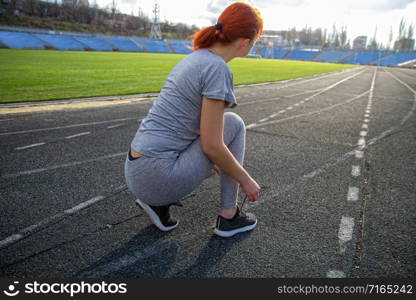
{"type": "Point", "coordinates": [233, 120]}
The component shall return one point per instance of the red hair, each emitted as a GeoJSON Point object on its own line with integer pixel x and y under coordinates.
{"type": "Point", "coordinates": [239, 20]}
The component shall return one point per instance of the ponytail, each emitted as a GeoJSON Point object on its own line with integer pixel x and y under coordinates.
{"type": "Point", "coordinates": [239, 20]}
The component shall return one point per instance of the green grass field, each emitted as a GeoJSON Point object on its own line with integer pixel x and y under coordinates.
{"type": "Point", "coordinates": [33, 75]}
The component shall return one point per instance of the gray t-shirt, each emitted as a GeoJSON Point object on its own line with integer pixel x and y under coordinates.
{"type": "Point", "coordinates": [173, 121]}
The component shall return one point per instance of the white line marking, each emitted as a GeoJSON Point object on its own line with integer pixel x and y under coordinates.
{"type": "Point", "coordinates": [83, 205]}
{"type": "Point", "coordinates": [366, 120]}
{"type": "Point", "coordinates": [115, 126]}
{"type": "Point", "coordinates": [335, 274]}
{"type": "Point", "coordinates": [355, 171]}
{"type": "Point", "coordinates": [361, 142]}
{"type": "Point", "coordinates": [318, 93]}
{"type": "Point", "coordinates": [29, 146]}
{"type": "Point", "coordinates": [68, 126]}
{"type": "Point", "coordinates": [363, 133]}
{"type": "Point", "coordinates": [254, 125]}
{"type": "Point", "coordinates": [10, 240]}
{"type": "Point", "coordinates": [365, 126]}
{"type": "Point", "coordinates": [352, 194]}
{"type": "Point", "coordinates": [359, 154]}
{"type": "Point", "coordinates": [78, 134]}
{"type": "Point", "coordinates": [346, 228]}
{"type": "Point", "coordinates": [35, 171]}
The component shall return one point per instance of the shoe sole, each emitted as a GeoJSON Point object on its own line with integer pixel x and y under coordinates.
{"type": "Point", "coordinates": [230, 233]}
{"type": "Point", "coordinates": [154, 217]}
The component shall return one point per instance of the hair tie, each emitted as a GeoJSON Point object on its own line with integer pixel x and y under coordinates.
{"type": "Point", "coordinates": [218, 26]}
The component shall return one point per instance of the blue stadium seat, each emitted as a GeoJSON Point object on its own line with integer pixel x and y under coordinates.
{"type": "Point", "coordinates": [302, 54]}
{"type": "Point", "coordinates": [268, 52]}
{"type": "Point", "coordinates": [395, 59]}
{"type": "Point", "coordinates": [60, 42]}
{"type": "Point", "coordinates": [20, 40]}
{"type": "Point", "coordinates": [181, 47]}
{"type": "Point", "coordinates": [123, 44]}
{"type": "Point", "coordinates": [364, 57]}
{"type": "Point", "coordinates": [333, 56]}
{"type": "Point", "coordinates": [156, 46]}
{"type": "Point", "coordinates": [94, 43]}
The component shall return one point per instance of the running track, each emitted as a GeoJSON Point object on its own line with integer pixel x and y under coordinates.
{"type": "Point", "coordinates": [335, 155]}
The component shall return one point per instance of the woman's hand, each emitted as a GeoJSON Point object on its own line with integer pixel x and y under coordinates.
{"type": "Point", "coordinates": [216, 169]}
{"type": "Point", "coordinates": [251, 188]}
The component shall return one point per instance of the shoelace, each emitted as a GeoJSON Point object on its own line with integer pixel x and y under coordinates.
{"type": "Point", "coordinates": [245, 198]}
{"type": "Point", "coordinates": [242, 204]}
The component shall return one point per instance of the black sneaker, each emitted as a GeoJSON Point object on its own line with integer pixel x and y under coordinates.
{"type": "Point", "coordinates": [160, 215]}
{"type": "Point", "coordinates": [241, 222]}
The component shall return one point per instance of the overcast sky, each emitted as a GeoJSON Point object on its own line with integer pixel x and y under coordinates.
{"type": "Point", "coordinates": [360, 16]}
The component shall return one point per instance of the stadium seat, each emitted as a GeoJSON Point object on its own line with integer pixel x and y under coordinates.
{"type": "Point", "coordinates": [302, 54]}
{"type": "Point", "coordinates": [123, 44]}
{"type": "Point", "coordinates": [94, 43]}
{"type": "Point", "coordinates": [364, 57]}
{"type": "Point", "coordinates": [333, 56]}
{"type": "Point", "coordinates": [20, 40]}
{"type": "Point", "coordinates": [395, 59]}
{"type": "Point", "coordinates": [60, 42]}
{"type": "Point", "coordinates": [156, 46]}
{"type": "Point", "coordinates": [181, 46]}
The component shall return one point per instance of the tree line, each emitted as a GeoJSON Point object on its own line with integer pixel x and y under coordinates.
{"type": "Point", "coordinates": [73, 17]}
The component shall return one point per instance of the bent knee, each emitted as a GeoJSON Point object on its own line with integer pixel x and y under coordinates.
{"type": "Point", "coordinates": [233, 120]}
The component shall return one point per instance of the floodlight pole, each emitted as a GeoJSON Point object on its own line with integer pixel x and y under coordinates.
{"type": "Point", "coordinates": [155, 32]}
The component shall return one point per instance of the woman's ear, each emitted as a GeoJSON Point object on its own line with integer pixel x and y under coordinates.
{"type": "Point", "coordinates": [244, 43]}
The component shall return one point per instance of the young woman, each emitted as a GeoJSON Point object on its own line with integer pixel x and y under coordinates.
{"type": "Point", "coordinates": [187, 134]}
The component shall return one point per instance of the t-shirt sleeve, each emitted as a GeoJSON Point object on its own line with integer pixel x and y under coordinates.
{"type": "Point", "coordinates": [217, 83]}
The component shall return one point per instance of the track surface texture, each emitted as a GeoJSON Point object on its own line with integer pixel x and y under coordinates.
{"type": "Point", "coordinates": [335, 155]}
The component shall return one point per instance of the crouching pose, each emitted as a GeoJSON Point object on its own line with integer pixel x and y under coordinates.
{"type": "Point", "coordinates": [187, 132]}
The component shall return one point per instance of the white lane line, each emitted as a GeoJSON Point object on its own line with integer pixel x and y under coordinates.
{"type": "Point", "coordinates": [255, 125]}
{"type": "Point", "coordinates": [277, 98]}
{"type": "Point", "coordinates": [356, 170]}
{"type": "Point", "coordinates": [10, 240]}
{"type": "Point", "coordinates": [309, 98]}
{"type": "Point", "coordinates": [115, 126]}
{"type": "Point", "coordinates": [361, 142]}
{"type": "Point", "coordinates": [68, 126]}
{"type": "Point", "coordinates": [335, 274]}
{"type": "Point", "coordinates": [83, 205]}
{"type": "Point", "coordinates": [122, 262]}
{"type": "Point", "coordinates": [352, 194]}
{"type": "Point", "coordinates": [365, 126]}
{"type": "Point", "coordinates": [2, 120]}
{"type": "Point", "coordinates": [359, 154]}
{"type": "Point", "coordinates": [366, 120]}
{"type": "Point", "coordinates": [35, 171]}
{"type": "Point", "coordinates": [346, 228]}
{"type": "Point", "coordinates": [77, 135]}
{"type": "Point", "coordinates": [52, 219]}
{"type": "Point", "coordinates": [363, 133]}
{"type": "Point", "coordinates": [29, 146]}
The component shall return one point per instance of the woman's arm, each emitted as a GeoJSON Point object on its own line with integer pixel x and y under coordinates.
{"type": "Point", "coordinates": [212, 142]}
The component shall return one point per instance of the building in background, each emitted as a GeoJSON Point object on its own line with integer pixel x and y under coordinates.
{"type": "Point", "coordinates": [404, 44]}
{"type": "Point", "coordinates": [359, 42]}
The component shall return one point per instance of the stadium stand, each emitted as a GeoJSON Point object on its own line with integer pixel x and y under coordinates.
{"type": "Point", "coordinates": [364, 57]}
{"type": "Point", "coordinates": [94, 43]}
{"type": "Point", "coordinates": [122, 44]}
{"type": "Point", "coordinates": [181, 47]}
{"type": "Point", "coordinates": [20, 40]}
{"type": "Point", "coordinates": [268, 52]}
{"type": "Point", "coordinates": [302, 54]}
{"type": "Point", "coordinates": [395, 59]}
{"type": "Point", "coordinates": [333, 56]}
{"type": "Point", "coordinates": [156, 46]}
{"type": "Point", "coordinates": [60, 42]}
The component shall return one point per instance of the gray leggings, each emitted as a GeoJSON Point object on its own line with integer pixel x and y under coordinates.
{"type": "Point", "coordinates": [161, 181]}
